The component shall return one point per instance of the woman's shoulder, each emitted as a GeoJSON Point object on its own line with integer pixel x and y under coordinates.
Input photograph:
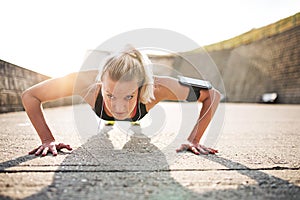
{"type": "Point", "coordinates": [164, 80]}
{"type": "Point", "coordinates": [92, 73]}
{"type": "Point", "coordinates": [162, 85]}
{"type": "Point", "coordinates": [85, 79]}
{"type": "Point", "coordinates": [169, 88]}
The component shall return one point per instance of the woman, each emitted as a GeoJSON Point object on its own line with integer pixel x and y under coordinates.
{"type": "Point", "coordinates": [125, 89]}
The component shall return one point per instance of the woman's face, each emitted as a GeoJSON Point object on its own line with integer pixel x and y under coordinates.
{"type": "Point", "coordinates": [120, 97]}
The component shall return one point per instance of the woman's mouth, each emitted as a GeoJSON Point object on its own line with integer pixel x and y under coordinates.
{"type": "Point", "coordinates": [120, 114]}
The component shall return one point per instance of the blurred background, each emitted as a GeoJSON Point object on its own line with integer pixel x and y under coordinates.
{"type": "Point", "coordinates": [254, 44]}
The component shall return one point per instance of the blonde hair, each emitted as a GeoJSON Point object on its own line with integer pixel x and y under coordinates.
{"type": "Point", "coordinates": [128, 65]}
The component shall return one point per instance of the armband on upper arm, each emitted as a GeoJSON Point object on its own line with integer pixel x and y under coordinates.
{"type": "Point", "coordinates": [195, 85]}
{"type": "Point", "coordinates": [194, 94]}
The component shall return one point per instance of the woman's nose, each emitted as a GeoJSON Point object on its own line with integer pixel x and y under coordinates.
{"type": "Point", "coordinates": [119, 106]}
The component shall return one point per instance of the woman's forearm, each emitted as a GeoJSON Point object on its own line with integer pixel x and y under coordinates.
{"type": "Point", "coordinates": [209, 106]}
{"type": "Point", "coordinates": [34, 111]}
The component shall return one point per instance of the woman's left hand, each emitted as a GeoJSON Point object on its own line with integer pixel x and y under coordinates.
{"type": "Point", "coordinates": [196, 149]}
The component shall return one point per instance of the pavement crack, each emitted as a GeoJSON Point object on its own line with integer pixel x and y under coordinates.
{"type": "Point", "coordinates": [132, 170]}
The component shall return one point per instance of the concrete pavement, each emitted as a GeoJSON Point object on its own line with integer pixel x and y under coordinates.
{"type": "Point", "coordinates": [258, 159]}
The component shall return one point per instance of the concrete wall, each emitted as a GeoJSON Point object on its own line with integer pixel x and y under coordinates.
{"type": "Point", "coordinates": [261, 61]}
{"type": "Point", "coordinates": [13, 81]}
{"type": "Point", "coordinates": [268, 65]}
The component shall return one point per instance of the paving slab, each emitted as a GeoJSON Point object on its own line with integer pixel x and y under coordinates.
{"type": "Point", "coordinates": [258, 158]}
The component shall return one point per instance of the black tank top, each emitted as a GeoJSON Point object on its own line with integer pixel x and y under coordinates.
{"type": "Point", "coordinates": [100, 111]}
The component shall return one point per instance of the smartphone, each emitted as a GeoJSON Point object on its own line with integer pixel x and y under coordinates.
{"type": "Point", "coordinates": [194, 82]}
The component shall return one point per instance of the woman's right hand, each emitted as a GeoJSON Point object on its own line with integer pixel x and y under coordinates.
{"type": "Point", "coordinates": [197, 149]}
{"type": "Point", "coordinates": [51, 147]}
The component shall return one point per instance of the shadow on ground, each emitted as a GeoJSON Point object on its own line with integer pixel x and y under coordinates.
{"type": "Point", "coordinates": [140, 171]}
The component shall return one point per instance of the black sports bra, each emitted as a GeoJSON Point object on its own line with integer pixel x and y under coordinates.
{"type": "Point", "coordinates": [100, 111]}
{"type": "Point", "coordinates": [194, 94]}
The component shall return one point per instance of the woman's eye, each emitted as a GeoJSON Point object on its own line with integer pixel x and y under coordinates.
{"type": "Point", "coordinates": [129, 97]}
{"type": "Point", "coordinates": [110, 96]}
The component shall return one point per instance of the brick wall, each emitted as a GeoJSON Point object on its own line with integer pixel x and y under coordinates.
{"type": "Point", "coordinates": [13, 81]}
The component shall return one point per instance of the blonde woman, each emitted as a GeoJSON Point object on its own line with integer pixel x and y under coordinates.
{"type": "Point", "coordinates": [125, 89]}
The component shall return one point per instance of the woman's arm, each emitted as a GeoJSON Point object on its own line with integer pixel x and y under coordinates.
{"type": "Point", "coordinates": [32, 100]}
{"type": "Point", "coordinates": [210, 100]}
{"type": "Point", "coordinates": [171, 89]}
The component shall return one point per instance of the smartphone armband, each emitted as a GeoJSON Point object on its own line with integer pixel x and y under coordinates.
{"type": "Point", "coordinates": [195, 86]}
{"type": "Point", "coordinates": [194, 82]}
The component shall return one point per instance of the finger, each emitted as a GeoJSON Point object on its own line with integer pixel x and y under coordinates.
{"type": "Point", "coordinates": [201, 150]}
{"type": "Point", "coordinates": [212, 151]}
{"type": "Point", "coordinates": [53, 150]}
{"type": "Point", "coordinates": [204, 147]}
{"type": "Point", "coordinates": [194, 150]}
{"type": "Point", "coordinates": [183, 147]}
{"type": "Point", "coordinates": [45, 151]}
{"type": "Point", "coordinates": [38, 152]}
{"type": "Point", "coordinates": [62, 145]}
{"type": "Point", "coordinates": [59, 146]}
{"type": "Point", "coordinates": [69, 147]}
{"type": "Point", "coordinates": [34, 150]}
{"type": "Point", "coordinates": [209, 150]}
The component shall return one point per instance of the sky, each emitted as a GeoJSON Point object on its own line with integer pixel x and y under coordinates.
{"type": "Point", "coordinates": [53, 37]}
